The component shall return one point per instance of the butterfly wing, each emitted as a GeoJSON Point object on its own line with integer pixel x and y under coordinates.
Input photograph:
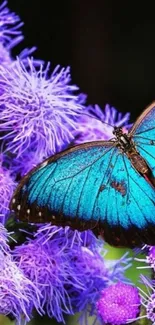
{"type": "Point", "coordinates": [89, 186]}
{"type": "Point", "coordinates": [143, 134]}
{"type": "Point", "coordinates": [61, 187]}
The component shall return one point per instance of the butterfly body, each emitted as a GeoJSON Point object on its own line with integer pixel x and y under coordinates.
{"type": "Point", "coordinates": [106, 186]}
{"type": "Point", "coordinates": [125, 144]}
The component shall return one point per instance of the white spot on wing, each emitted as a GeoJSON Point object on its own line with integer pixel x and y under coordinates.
{"type": "Point", "coordinates": [14, 200]}
{"type": "Point", "coordinates": [43, 164]}
{"type": "Point", "coordinates": [18, 207]}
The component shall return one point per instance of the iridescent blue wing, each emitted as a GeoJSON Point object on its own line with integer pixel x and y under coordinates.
{"type": "Point", "coordinates": [143, 134]}
{"type": "Point", "coordinates": [61, 186]}
{"type": "Point", "coordinates": [90, 186]}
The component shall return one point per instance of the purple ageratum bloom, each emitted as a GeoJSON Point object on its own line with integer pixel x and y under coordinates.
{"type": "Point", "coordinates": [96, 276]}
{"type": "Point", "coordinates": [87, 271]}
{"type": "Point", "coordinates": [24, 57]}
{"type": "Point", "coordinates": [10, 34]}
{"type": "Point", "coordinates": [18, 295]}
{"type": "Point", "coordinates": [92, 125]}
{"type": "Point", "coordinates": [66, 267]}
{"type": "Point", "coordinates": [29, 160]}
{"type": "Point", "coordinates": [119, 304]}
{"type": "Point", "coordinates": [4, 236]}
{"type": "Point", "coordinates": [148, 299]}
{"type": "Point", "coordinates": [149, 259]}
{"type": "Point", "coordinates": [48, 270]}
{"type": "Point", "coordinates": [7, 60]}
{"type": "Point", "coordinates": [63, 269]}
{"type": "Point", "coordinates": [66, 237]}
{"type": "Point", "coordinates": [37, 111]}
{"type": "Point", "coordinates": [7, 187]}
{"type": "Point", "coordinates": [150, 309]}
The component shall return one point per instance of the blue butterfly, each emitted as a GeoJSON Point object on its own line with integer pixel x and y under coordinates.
{"type": "Point", "coordinates": [106, 186]}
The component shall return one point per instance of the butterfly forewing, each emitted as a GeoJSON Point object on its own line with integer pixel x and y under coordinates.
{"type": "Point", "coordinates": [143, 135]}
{"type": "Point", "coordinates": [62, 184]}
{"type": "Point", "coordinates": [97, 186]}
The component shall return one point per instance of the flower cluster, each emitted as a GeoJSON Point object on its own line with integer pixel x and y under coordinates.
{"type": "Point", "coordinates": [119, 303]}
{"type": "Point", "coordinates": [10, 33]}
{"type": "Point", "coordinates": [96, 124]}
{"type": "Point", "coordinates": [10, 36]}
{"type": "Point", "coordinates": [18, 295]}
{"type": "Point", "coordinates": [67, 268]}
{"type": "Point", "coordinates": [44, 268]}
{"type": "Point", "coordinates": [7, 187]}
{"type": "Point", "coordinates": [47, 110]}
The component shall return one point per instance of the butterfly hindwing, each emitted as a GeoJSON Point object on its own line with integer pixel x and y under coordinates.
{"type": "Point", "coordinates": [130, 206]}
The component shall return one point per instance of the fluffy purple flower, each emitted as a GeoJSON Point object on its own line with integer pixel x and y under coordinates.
{"type": "Point", "coordinates": [18, 295]}
{"type": "Point", "coordinates": [88, 272]}
{"type": "Point", "coordinates": [61, 269]}
{"type": "Point", "coordinates": [4, 236]}
{"type": "Point", "coordinates": [151, 308]}
{"type": "Point", "coordinates": [148, 299]}
{"type": "Point", "coordinates": [119, 304]}
{"type": "Point", "coordinates": [150, 257]}
{"type": "Point", "coordinates": [7, 187]}
{"type": "Point", "coordinates": [92, 126]}
{"type": "Point", "coordinates": [67, 268]}
{"type": "Point", "coordinates": [37, 111]}
{"type": "Point", "coordinates": [5, 58]}
{"type": "Point", "coordinates": [22, 166]}
{"type": "Point", "coordinates": [10, 34]}
{"type": "Point", "coordinates": [48, 270]}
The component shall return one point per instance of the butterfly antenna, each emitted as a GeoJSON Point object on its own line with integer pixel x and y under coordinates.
{"type": "Point", "coordinates": [98, 119]}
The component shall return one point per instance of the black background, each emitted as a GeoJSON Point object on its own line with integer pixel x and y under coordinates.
{"type": "Point", "coordinates": [110, 46]}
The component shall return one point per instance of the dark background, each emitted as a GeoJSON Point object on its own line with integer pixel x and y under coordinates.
{"type": "Point", "coordinates": [110, 46]}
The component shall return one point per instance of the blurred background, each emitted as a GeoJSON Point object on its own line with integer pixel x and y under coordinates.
{"type": "Point", "coordinates": [108, 44]}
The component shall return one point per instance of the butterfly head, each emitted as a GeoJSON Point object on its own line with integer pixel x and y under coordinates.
{"type": "Point", "coordinates": [117, 131]}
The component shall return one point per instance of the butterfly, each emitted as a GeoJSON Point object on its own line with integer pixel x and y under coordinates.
{"type": "Point", "coordinates": [106, 186]}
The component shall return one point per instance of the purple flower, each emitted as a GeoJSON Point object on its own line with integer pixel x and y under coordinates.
{"type": "Point", "coordinates": [151, 308]}
{"type": "Point", "coordinates": [10, 34]}
{"type": "Point", "coordinates": [150, 257]}
{"type": "Point", "coordinates": [4, 236]}
{"type": "Point", "coordinates": [18, 295]}
{"type": "Point", "coordinates": [67, 268]}
{"type": "Point", "coordinates": [148, 299]}
{"type": "Point", "coordinates": [5, 58]}
{"type": "Point", "coordinates": [67, 273]}
{"type": "Point", "coordinates": [29, 160]}
{"type": "Point", "coordinates": [48, 270]}
{"type": "Point", "coordinates": [81, 270]}
{"type": "Point", "coordinates": [7, 187]}
{"type": "Point", "coordinates": [37, 111]}
{"type": "Point", "coordinates": [96, 124]}
{"type": "Point", "coordinates": [119, 304]}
